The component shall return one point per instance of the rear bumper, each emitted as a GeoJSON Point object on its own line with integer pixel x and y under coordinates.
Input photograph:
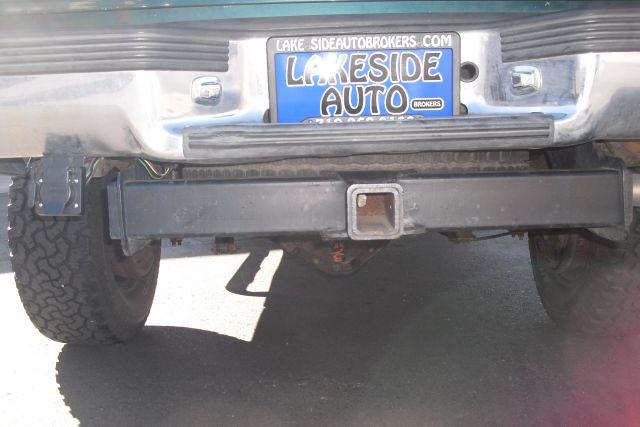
{"type": "Point", "coordinates": [141, 104]}
{"type": "Point", "coordinates": [513, 200]}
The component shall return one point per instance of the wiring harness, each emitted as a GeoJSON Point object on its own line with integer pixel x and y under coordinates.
{"type": "Point", "coordinates": [154, 171]}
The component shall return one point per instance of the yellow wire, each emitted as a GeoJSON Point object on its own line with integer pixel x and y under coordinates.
{"type": "Point", "coordinates": [154, 170]}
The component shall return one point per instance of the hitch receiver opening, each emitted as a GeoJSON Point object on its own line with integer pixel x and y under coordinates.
{"type": "Point", "coordinates": [374, 211]}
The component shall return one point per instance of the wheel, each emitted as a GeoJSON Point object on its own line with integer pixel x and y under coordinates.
{"type": "Point", "coordinates": [587, 284]}
{"type": "Point", "coordinates": [75, 283]}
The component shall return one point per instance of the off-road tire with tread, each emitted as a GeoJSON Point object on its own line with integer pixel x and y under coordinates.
{"type": "Point", "coordinates": [75, 283]}
{"type": "Point", "coordinates": [587, 284]}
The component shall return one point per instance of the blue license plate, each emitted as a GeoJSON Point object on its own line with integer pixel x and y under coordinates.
{"type": "Point", "coordinates": [329, 79]}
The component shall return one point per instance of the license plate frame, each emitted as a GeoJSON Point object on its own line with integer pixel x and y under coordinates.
{"type": "Point", "coordinates": [397, 42]}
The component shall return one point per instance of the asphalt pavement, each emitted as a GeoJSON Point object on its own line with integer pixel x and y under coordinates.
{"type": "Point", "coordinates": [428, 333]}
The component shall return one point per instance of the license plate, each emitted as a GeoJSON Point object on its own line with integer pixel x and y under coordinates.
{"type": "Point", "coordinates": [352, 78]}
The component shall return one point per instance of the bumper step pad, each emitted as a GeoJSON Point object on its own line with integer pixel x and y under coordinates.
{"type": "Point", "coordinates": [251, 143]}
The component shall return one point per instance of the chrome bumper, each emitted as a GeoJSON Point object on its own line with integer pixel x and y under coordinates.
{"type": "Point", "coordinates": [590, 96]}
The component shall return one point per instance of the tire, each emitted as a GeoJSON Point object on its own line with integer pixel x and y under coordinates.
{"type": "Point", "coordinates": [75, 283]}
{"type": "Point", "coordinates": [589, 285]}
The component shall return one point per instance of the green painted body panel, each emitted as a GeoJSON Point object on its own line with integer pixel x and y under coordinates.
{"type": "Point", "coordinates": [140, 12]}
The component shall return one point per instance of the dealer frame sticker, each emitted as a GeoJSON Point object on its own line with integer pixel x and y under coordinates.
{"type": "Point", "coordinates": [370, 77]}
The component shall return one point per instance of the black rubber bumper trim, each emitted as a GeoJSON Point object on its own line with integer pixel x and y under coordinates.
{"type": "Point", "coordinates": [572, 32]}
{"type": "Point", "coordinates": [249, 143]}
{"type": "Point", "coordinates": [510, 200]}
{"type": "Point", "coordinates": [143, 48]}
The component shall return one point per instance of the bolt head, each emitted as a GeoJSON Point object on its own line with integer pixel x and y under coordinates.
{"type": "Point", "coordinates": [206, 90]}
{"type": "Point", "coordinates": [525, 79]}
